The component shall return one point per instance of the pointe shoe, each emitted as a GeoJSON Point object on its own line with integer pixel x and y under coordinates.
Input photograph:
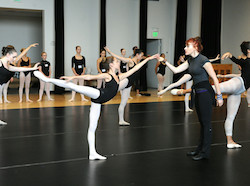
{"type": "Point", "coordinates": [39, 75]}
{"type": "Point", "coordinates": [189, 110]}
{"type": "Point", "coordinates": [177, 92]}
{"type": "Point", "coordinates": [124, 123]}
{"type": "Point", "coordinates": [233, 146]}
{"type": "Point", "coordinates": [2, 122]}
{"type": "Point", "coordinates": [97, 157]}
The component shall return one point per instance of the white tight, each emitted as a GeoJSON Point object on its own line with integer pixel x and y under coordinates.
{"type": "Point", "coordinates": [81, 83]}
{"type": "Point", "coordinates": [160, 81]}
{"type": "Point", "coordinates": [248, 96]}
{"type": "Point", "coordinates": [47, 89]}
{"type": "Point", "coordinates": [26, 80]}
{"type": "Point", "coordinates": [232, 88]}
{"type": "Point", "coordinates": [187, 95]}
{"type": "Point", "coordinates": [4, 92]}
{"type": "Point", "coordinates": [125, 93]}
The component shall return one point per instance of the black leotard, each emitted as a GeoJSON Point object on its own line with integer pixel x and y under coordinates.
{"type": "Point", "coordinates": [5, 75]}
{"type": "Point", "coordinates": [108, 92]}
{"type": "Point", "coordinates": [25, 64]}
{"type": "Point", "coordinates": [245, 66]}
{"type": "Point", "coordinates": [162, 68]}
{"type": "Point", "coordinates": [102, 66]}
{"type": "Point", "coordinates": [78, 64]}
{"type": "Point", "coordinates": [123, 67]}
{"type": "Point", "coordinates": [45, 67]}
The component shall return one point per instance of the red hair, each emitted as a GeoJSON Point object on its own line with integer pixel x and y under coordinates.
{"type": "Point", "coordinates": [196, 42]}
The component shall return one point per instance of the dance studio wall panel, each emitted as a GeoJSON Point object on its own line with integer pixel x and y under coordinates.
{"type": "Point", "coordinates": [82, 27]}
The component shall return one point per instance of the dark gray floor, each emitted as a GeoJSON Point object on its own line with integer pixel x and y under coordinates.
{"type": "Point", "coordinates": [48, 146]}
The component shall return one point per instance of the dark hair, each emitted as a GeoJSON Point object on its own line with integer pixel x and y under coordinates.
{"type": "Point", "coordinates": [106, 64]}
{"type": "Point", "coordinates": [162, 55]}
{"type": "Point", "coordinates": [9, 49]}
{"type": "Point", "coordinates": [78, 46]}
{"type": "Point", "coordinates": [245, 45]}
{"type": "Point", "coordinates": [196, 42]}
{"type": "Point", "coordinates": [122, 49]}
{"type": "Point", "coordinates": [138, 51]}
{"type": "Point", "coordinates": [22, 49]}
{"type": "Point", "coordinates": [135, 47]}
{"type": "Point", "coordinates": [102, 51]}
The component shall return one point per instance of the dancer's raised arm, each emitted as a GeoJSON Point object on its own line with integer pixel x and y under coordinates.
{"type": "Point", "coordinates": [24, 52]}
{"type": "Point", "coordinates": [137, 67]}
{"type": "Point", "coordinates": [105, 76]}
{"type": "Point", "coordinates": [127, 60]}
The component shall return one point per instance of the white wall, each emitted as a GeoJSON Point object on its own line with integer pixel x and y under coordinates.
{"type": "Point", "coordinates": [235, 27]}
{"type": "Point", "coordinates": [47, 6]}
{"type": "Point", "coordinates": [194, 9]}
{"type": "Point", "coordinates": [82, 27]}
{"type": "Point", "coordinates": [122, 22]}
{"type": "Point", "coordinates": [21, 31]}
{"type": "Point", "coordinates": [162, 15]}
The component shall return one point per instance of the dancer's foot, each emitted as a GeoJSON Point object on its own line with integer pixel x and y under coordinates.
{"type": "Point", "coordinates": [189, 110]}
{"type": "Point", "coordinates": [7, 101]}
{"type": "Point", "coordinates": [28, 100]}
{"type": "Point", "coordinates": [138, 94]}
{"type": "Point", "coordinates": [71, 100]}
{"type": "Point", "coordinates": [50, 99]}
{"type": "Point", "coordinates": [39, 100]}
{"type": "Point", "coordinates": [177, 92]}
{"type": "Point", "coordinates": [233, 146]}
{"type": "Point", "coordinates": [161, 92]}
{"type": "Point", "coordinates": [39, 75]}
{"type": "Point", "coordinates": [84, 99]}
{"type": "Point", "coordinates": [2, 122]}
{"type": "Point", "coordinates": [124, 123]}
{"type": "Point", "coordinates": [248, 104]}
{"type": "Point", "coordinates": [130, 97]}
{"type": "Point", "coordinates": [96, 157]}
{"type": "Point", "coordinates": [20, 101]}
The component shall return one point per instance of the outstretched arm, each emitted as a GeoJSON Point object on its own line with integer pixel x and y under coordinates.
{"type": "Point", "coordinates": [88, 77]}
{"type": "Point", "coordinates": [178, 69]}
{"type": "Point", "coordinates": [137, 67]}
{"type": "Point", "coordinates": [215, 59]}
{"type": "Point", "coordinates": [127, 60]}
{"type": "Point", "coordinates": [24, 52]}
{"type": "Point", "coordinates": [23, 69]}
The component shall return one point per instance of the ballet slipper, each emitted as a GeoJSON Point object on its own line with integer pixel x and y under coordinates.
{"type": "Point", "coordinates": [96, 157]}
{"type": "Point", "coordinates": [7, 101]}
{"type": "Point", "coordinates": [2, 122]}
{"type": "Point", "coordinates": [29, 101]}
{"type": "Point", "coordinates": [50, 99]}
{"type": "Point", "coordinates": [177, 92]}
{"type": "Point", "coordinates": [71, 100]}
{"type": "Point", "coordinates": [84, 99]}
{"type": "Point", "coordinates": [39, 100]}
{"type": "Point", "coordinates": [130, 97]}
{"type": "Point", "coordinates": [123, 123]}
{"type": "Point", "coordinates": [189, 110]}
{"type": "Point", "coordinates": [233, 145]}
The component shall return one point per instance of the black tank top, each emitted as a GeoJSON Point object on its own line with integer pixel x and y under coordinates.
{"type": "Point", "coordinates": [108, 92]}
{"type": "Point", "coordinates": [78, 64]}
{"type": "Point", "coordinates": [123, 67]}
{"type": "Point", "coordinates": [162, 68]}
{"type": "Point", "coordinates": [5, 75]}
{"type": "Point", "coordinates": [25, 63]}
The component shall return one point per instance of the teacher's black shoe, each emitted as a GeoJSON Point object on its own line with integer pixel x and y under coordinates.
{"type": "Point", "coordinates": [199, 157]}
{"type": "Point", "coordinates": [192, 153]}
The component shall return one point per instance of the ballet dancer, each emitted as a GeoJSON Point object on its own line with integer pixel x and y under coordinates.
{"type": "Point", "coordinates": [160, 72]}
{"type": "Point", "coordinates": [126, 91]}
{"type": "Point", "coordinates": [24, 77]}
{"type": "Point", "coordinates": [233, 87]}
{"type": "Point", "coordinates": [114, 83]}
{"type": "Point", "coordinates": [78, 68]}
{"type": "Point", "coordinates": [100, 67]}
{"type": "Point", "coordinates": [6, 70]}
{"type": "Point", "coordinates": [44, 67]}
{"type": "Point", "coordinates": [200, 68]}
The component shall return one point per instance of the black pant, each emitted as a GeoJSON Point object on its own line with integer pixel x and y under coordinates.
{"type": "Point", "coordinates": [203, 105]}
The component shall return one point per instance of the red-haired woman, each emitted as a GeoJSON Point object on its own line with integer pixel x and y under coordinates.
{"type": "Point", "coordinates": [199, 68]}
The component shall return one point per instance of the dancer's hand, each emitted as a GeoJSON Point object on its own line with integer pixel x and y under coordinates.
{"type": "Point", "coordinates": [217, 57]}
{"type": "Point", "coordinates": [156, 56]}
{"type": "Point", "coordinates": [67, 78]}
{"type": "Point", "coordinates": [36, 66]}
{"type": "Point", "coordinates": [219, 102]}
{"type": "Point", "coordinates": [182, 58]}
{"type": "Point", "coordinates": [34, 45]}
{"type": "Point", "coordinates": [107, 49]}
{"type": "Point", "coordinates": [226, 55]}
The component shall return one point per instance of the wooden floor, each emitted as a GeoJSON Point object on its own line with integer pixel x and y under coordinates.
{"type": "Point", "coordinates": [62, 100]}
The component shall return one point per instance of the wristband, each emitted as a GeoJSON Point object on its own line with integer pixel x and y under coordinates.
{"type": "Point", "coordinates": [219, 97]}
